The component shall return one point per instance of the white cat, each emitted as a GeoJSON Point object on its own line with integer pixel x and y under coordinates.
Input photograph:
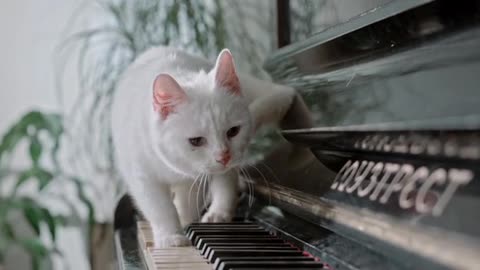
{"type": "Point", "coordinates": [176, 119]}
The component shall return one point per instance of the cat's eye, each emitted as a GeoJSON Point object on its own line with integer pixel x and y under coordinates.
{"type": "Point", "coordinates": [197, 141]}
{"type": "Point", "coordinates": [233, 131]}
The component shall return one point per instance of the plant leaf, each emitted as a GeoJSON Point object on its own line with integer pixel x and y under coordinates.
{"type": "Point", "coordinates": [36, 249]}
{"type": "Point", "coordinates": [51, 223]}
{"type": "Point", "coordinates": [8, 230]}
{"type": "Point", "coordinates": [12, 137]}
{"type": "Point", "coordinates": [84, 199]}
{"type": "Point", "coordinates": [35, 149]}
{"type": "Point", "coordinates": [22, 178]}
{"type": "Point", "coordinates": [53, 123]}
{"type": "Point", "coordinates": [35, 245]}
{"type": "Point", "coordinates": [44, 177]}
{"type": "Point", "coordinates": [64, 220]}
{"type": "Point", "coordinates": [33, 217]}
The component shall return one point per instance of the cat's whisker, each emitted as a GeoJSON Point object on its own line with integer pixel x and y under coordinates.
{"type": "Point", "coordinates": [205, 190]}
{"type": "Point", "coordinates": [265, 181]}
{"type": "Point", "coordinates": [242, 172]}
{"type": "Point", "coordinates": [250, 187]}
{"type": "Point", "coordinates": [204, 195]}
{"type": "Point", "coordinates": [270, 171]}
{"type": "Point", "coordinates": [198, 192]}
{"type": "Point", "coordinates": [191, 189]}
{"type": "Point", "coordinates": [252, 192]}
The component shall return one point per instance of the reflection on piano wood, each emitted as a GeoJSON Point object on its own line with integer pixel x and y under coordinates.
{"type": "Point", "coordinates": [224, 246]}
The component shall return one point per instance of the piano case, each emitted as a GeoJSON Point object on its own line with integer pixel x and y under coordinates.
{"type": "Point", "coordinates": [383, 170]}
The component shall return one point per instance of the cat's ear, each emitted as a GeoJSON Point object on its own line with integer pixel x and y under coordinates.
{"type": "Point", "coordinates": [225, 74]}
{"type": "Point", "coordinates": [167, 94]}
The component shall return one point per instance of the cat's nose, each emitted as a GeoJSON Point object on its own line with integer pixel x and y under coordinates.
{"type": "Point", "coordinates": [224, 158]}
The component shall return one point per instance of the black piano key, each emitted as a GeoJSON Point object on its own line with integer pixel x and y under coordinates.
{"type": "Point", "coordinates": [249, 253]}
{"type": "Point", "coordinates": [238, 239]}
{"type": "Point", "coordinates": [216, 265]}
{"type": "Point", "coordinates": [221, 223]}
{"type": "Point", "coordinates": [270, 264]}
{"type": "Point", "coordinates": [245, 245]}
{"type": "Point", "coordinates": [225, 244]}
{"type": "Point", "coordinates": [211, 251]}
{"type": "Point", "coordinates": [276, 268]}
{"type": "Point", "coordinates": [227, 228]}
{"type": "Point", "coordinates": [222, 229]}
{"type": "Point", "coordinates": [191, 227]}
{"type": "Point", "coordinates": [197, 235]}
{"type": "Point", "coordinates": [197, 224]}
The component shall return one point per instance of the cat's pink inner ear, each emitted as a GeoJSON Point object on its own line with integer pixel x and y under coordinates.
{"type": "Point", "coordinates": [167, 94]}
{"type": "Point", "coordinates": [225, 74]}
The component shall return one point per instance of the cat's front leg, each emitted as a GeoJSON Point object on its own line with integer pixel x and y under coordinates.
{"type": "Point", "coordinates": [223, 191]}
{"type": "Point", "coordinates": [155, 201]}
{"type": "Point", "coordinates": [188, 199]}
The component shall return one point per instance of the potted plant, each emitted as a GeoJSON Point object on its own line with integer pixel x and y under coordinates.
{"type": "Point", "coordinates": [24, 189]}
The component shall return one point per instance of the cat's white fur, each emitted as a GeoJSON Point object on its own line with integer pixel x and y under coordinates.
{"type": "Point", "coordinates": [153, 153]}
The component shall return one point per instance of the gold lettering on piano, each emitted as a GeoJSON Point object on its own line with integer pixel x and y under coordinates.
{"type": "Point", "coordinates": [457, 177]}
{"type": "Point", "coordinates": [439, 177]}
{"type": "Point", "coordinates": [376, 170]}
{"type": "Point", "coordinates": [467, 147]}
{"type": "Point", "coordinates": [362, 172]}
{"type": "Point", "coordinates": [347, 177]}
{"type": "Point", "coordinates": [425, 190]}
{"type": "Point", "coordinates": [407, 193]}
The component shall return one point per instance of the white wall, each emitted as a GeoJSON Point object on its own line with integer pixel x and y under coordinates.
{"type": "Point", "coordinates": [30, 31]}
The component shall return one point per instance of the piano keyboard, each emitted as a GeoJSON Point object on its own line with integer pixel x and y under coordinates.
{"type": "Point", "coordinates": [225, 246]}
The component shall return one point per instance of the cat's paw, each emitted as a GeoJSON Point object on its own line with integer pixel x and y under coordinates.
{"type": "Point", "coordinates": [174, 240]}
{"type": "Point", "coordinates": [215, 216]}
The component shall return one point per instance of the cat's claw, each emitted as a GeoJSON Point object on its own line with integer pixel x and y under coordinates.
{"type": "Point", "coordinates": [216, 216]}
{"type": "Point", "coordinates": [175, 240]}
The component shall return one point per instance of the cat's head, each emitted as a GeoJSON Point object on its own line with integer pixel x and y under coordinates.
{"type": "Point", "coordinates": [201, 124]}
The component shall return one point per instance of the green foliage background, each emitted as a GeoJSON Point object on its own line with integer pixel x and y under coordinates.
{"type": "Point", "coordinates": [41, 132]}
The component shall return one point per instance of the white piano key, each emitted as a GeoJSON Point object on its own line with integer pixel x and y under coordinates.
{"type": "Point", "coordinates": [168, 258]}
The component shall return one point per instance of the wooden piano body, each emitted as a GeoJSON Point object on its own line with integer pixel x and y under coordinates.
{"type": "Point", "coordinates": [394, 179]}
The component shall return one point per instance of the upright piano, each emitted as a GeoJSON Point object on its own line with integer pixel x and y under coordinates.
{"type": "Point", "coordinates": [378, 169]}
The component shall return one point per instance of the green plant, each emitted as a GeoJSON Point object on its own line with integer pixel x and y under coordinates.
{"type": "Point", "coordinates": [42, 134]}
